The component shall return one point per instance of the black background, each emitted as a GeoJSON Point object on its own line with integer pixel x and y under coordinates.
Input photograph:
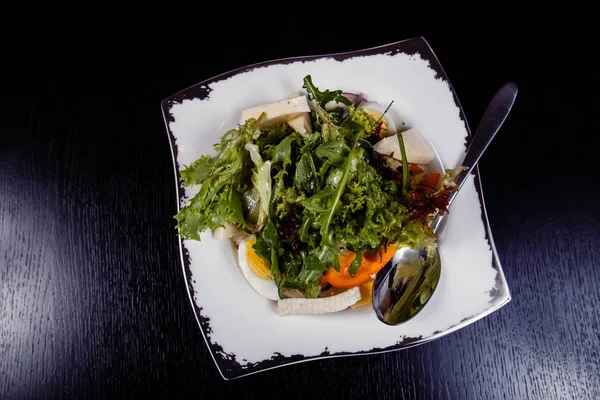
{"type": "Point", "coordinates": [93, 302]}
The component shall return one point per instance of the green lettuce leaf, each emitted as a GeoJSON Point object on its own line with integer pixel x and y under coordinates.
{"type": "Point", "coordinates": [306, 174]}
{"type": "Point", "coordinates": [306, 199]}
{"type": "Point", "coordinates": [282, 153]}
{"type": "Point", "coordinates": [335, 151]}
{"type": "Point", "coordinates": [261, 179]}
{"type": "Point", "coordinates": [195, 173]}
{"type": "Point", "coordinates": [355, 264]}
{"type": "Point", "coordinates": [224, 180]}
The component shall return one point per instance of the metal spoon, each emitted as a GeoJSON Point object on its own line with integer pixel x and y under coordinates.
{"type": "Point", "coordinates": [405, 284]}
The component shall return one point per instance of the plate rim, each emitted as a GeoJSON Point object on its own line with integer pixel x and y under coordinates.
{"type": "Point", "coordinates": [201, 90]}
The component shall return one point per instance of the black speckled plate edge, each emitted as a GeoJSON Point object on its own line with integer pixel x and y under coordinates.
{"type": "Point", "coordinates": [228, 366]}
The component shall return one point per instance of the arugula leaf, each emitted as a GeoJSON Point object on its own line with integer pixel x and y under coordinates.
{"type": "Point", "coordinates": [329, 256]}
{"type": "Point", "coordinates": [324, 171]}
{"type": "Point", "coordinates": [270, 235]}
{"type": "Point", "coordinates": [291, 264]}
{"type": "Point", "coordinates": [282, 153]}
{"type": "Point", "coordinates": [329, 131]}
{"type": "Point", "coordinates": [338, 116]}
{"type": "Point", "coordinates": [334, 177]}
{"type": "Point", "coordinates": [306, 235]}
{"type": "Point", "coordinates": [355, 264]}
{"type": "Point", "coordinates": [335, 151]}
{"type": "Point", "coordinates": [310, 142]}
{"type": "Point", "coordinates": [261, 248]}
{"type": "Point", "coordinates": [305, 176]}
{"type": "Point", "coordinates": [317, 203]}
{"type": "Point", "coordinates": [369, 213]}
{"type": "Point", "coordinates": [302, 273]}
{"type": "Point", "coordinates": [275, 272]}
{"type": "Point", "coordinates": [323, 97]}
{"type": "Point", "coordinates": [266, 246]}
{"type": "Point", "coordinates": [312, 269]}
{"type": "Point", "coordinates": [312, 263]}
{"type": "Point", "coordinates": [337, 194]}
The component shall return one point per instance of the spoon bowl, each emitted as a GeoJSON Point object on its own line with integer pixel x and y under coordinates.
{"type": "Point", "coordinates": [406, 285]}
{"type": "Point", "coordinates": [403, 287]}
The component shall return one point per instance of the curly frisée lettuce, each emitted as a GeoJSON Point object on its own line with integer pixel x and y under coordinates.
{"type": "Point", "coordinates": [224, 181]}
{"type": "Point", "coordinates": [314, 201]}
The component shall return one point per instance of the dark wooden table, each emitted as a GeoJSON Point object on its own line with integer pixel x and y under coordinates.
{"type": "Point", "coordinates": [92, 299]}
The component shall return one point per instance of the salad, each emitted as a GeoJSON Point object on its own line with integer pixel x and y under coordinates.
{"type": "Point", "coordinates": [317, 191]}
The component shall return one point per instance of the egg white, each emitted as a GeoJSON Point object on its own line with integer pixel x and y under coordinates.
{"type": "Point", "coordinates": [266, 288]}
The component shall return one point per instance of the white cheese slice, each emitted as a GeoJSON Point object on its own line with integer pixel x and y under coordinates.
{"type": "Point", "coordinates": [417, 149]}
{"type": "Point", "coordinates": [323, 305]}
{"type": "Point", "coordinates": [301, 124]}
{"type": "Point", "coordinates": [278, 111]}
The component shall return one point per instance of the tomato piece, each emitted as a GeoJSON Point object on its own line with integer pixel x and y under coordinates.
{"type": "Point", "coordinates": [432, 180]}
{"type": "Point", "coordinates": [371, 264]}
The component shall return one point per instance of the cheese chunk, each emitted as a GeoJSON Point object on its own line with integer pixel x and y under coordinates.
{"type": "Point", "coordinates": [301, 124]}
{"type": "Point", "coordinates": [278, 111]}
{"type": "Point", "coordinates": [323, 305]}
{"type": "Point", "coordinates": [417, 149]}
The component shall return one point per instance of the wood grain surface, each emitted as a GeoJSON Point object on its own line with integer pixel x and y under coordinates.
{"type": "Point", "coordinates": [92, 296]}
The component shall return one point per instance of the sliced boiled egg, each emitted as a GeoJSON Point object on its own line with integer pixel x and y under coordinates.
{"type": "Point", "coordinates": [256, 270]}
{"type": "Point", "coordinates": [376, 110]}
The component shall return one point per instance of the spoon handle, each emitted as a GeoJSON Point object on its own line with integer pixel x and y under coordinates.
{"type": "Point", "coordinates": [490, 124]}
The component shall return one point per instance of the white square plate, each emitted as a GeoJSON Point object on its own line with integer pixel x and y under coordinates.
{"type": "Point", "coordinates": [243, 331]}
